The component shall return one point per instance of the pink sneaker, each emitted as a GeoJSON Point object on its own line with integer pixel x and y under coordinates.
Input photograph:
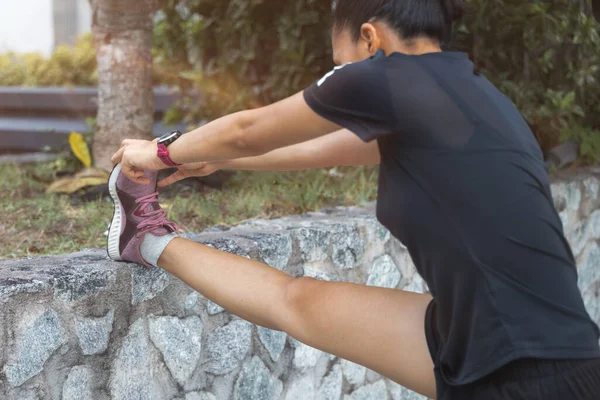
{"type": "Point", "coordinates": [137, 213]}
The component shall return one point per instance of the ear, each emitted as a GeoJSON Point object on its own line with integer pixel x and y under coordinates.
{"type": "Point", "coordinates": [370, 37]}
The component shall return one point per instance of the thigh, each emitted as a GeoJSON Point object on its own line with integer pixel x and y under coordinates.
{"type": "Point", "coordinates": [382, 329]}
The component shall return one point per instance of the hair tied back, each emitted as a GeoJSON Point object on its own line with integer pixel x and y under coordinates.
{"type": "Point", "coordinates": [454, 9]}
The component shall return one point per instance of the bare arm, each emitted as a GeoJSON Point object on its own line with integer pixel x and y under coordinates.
{"type": "Point", "coordinates": [257, 132]}
{"type": "Point", "coordinates": [341, 148]}
{"type": "Point", "coordinates": [252, 133]}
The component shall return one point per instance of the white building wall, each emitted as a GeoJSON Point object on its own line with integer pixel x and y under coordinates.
{"type": "Point", "coordinates": [27, 25]}
{"type": "Point", "coordinates": [84, 16]}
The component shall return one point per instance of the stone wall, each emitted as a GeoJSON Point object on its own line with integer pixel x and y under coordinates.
{"type": "Point", "coordinates": [82, 327]}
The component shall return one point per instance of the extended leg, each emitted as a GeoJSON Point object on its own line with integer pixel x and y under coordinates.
{"type": "Point", "coordinates": [382, 329]}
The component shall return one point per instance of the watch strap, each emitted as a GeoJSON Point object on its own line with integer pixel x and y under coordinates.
{"type": "Point", "coordinates": [163, 154]}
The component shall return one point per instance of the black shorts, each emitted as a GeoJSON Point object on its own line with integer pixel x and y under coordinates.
{"type": "Point", "coordinates": [531, 379]}
{"type": "Point", "coordinates": [524, 379]}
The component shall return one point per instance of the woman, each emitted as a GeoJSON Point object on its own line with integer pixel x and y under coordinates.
{"type": "Point", "coordinates": [462, 185]}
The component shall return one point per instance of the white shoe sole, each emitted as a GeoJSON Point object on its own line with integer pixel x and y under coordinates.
{"type": "Point", "coordinates": [114, 231]}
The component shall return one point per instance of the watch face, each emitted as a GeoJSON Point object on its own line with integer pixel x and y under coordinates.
{"type": "Point", "coordinates": [169, 138]}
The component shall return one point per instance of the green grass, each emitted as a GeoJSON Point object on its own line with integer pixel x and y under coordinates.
{"type": "Point", "coordinates": [35, 223]}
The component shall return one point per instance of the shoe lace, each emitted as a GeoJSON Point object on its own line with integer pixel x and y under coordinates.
{"type": "Point", "coordinates": [153, 219]}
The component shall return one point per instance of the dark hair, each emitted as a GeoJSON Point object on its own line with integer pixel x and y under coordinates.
{"type": "Point", "coordinates": [410, 18]}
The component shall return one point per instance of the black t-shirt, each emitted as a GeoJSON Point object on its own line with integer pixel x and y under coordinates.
{"type": "Point", "coordinates": [463, 185]}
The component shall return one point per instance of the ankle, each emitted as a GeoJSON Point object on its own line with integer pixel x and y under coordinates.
{"type": "Point", "coordinates": [167, 257]}
{"type": "Point", "coordinates": [153, 247]}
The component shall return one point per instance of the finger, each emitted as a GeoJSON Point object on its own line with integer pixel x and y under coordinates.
{"type": "Point", "coordinates": [143, 181]}
{"type": "Point", "coordinates": [169, 180]}
{"type": "Point", "coordinates": [127, 142]}
{"type": "Point", "coordinates": [140, 177]}
{"type": "Point", "coordinates": [155, 140]}
{"type": "Point", "coordinates": [118, 156]}
{"type": "Point", "coordinates": [134, 174]}
{"type": "Point", "coordinates": [129, 170]}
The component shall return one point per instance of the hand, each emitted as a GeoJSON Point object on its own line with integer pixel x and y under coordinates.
{"type": "Point", "coordinates": [136, 156]}
{"type": "Point", "coordinates": [189, 170]}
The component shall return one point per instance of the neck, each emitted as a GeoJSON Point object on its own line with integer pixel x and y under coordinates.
{"type": "Point", "coordinates": [413, 46]}
{"type": "Point", "coordinates": [418, 46]}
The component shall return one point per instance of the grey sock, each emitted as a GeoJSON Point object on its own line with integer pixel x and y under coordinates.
{"type": "Point", "coordinates": [153, 246]}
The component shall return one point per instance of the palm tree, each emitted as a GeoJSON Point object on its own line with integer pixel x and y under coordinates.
{"type": "Point", "coordinates": [123, 37]}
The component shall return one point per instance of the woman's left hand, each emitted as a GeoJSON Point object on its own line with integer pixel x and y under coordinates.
{"type": "Point", "coordinates": [135, 157]}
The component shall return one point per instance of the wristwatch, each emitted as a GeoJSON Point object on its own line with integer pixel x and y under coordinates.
{"type": "Point", "coordinates": [163, 142]}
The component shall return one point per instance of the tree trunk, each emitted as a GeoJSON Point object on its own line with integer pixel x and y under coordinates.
{"type": "Point", "coordinates": [123, 38]}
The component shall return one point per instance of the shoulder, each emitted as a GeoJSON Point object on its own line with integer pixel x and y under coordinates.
{"type": "Point", "coordinates": [356, 69]}
{"type": "Point", "coordinates": [352, 76]}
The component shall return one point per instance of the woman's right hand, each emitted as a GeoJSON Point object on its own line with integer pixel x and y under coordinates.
{"type": "Point", "coordinates": [188, 171]}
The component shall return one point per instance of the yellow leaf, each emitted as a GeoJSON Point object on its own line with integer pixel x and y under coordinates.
{"type": "Point", "coordinates": [85, 177]}
{"type": "Point", "coordinates": [73, 184]}
{"type": "Point", "coordinates": [93, 173]}
{"type": "Point", "coordinates": [80, 148]}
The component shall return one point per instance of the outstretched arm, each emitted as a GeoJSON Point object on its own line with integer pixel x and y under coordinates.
{"type": "Point", "coordinates": [341, 148]}
{"type": "Point", "coordinates": [244, 134]}
{"type": "Point", "coordinates": [252, 133]}
{"type": "Point", "coordinates": [344, 99]}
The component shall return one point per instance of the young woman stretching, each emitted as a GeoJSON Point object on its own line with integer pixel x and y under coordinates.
{"type": "Point", "coordinates": [462, 184]}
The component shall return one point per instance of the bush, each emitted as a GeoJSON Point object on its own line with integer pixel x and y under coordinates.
{"type": "Point", "coordinates": [241, 53]}
{"type": "Point", "coordinates": [67, 66]}
{"type": "Point", "coordinates": [545, 55]}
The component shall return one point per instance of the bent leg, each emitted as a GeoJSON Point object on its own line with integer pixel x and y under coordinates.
{"type": "Point", "coordinates": [382, 329]}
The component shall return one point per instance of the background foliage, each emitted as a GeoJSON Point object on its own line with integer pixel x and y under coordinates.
{"type": "Point", "coordinates": [67, 66]}
{"type": "Point", "coordinates": [544, 54]}
{"type": "Point", "coordinates": [244, 53]}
